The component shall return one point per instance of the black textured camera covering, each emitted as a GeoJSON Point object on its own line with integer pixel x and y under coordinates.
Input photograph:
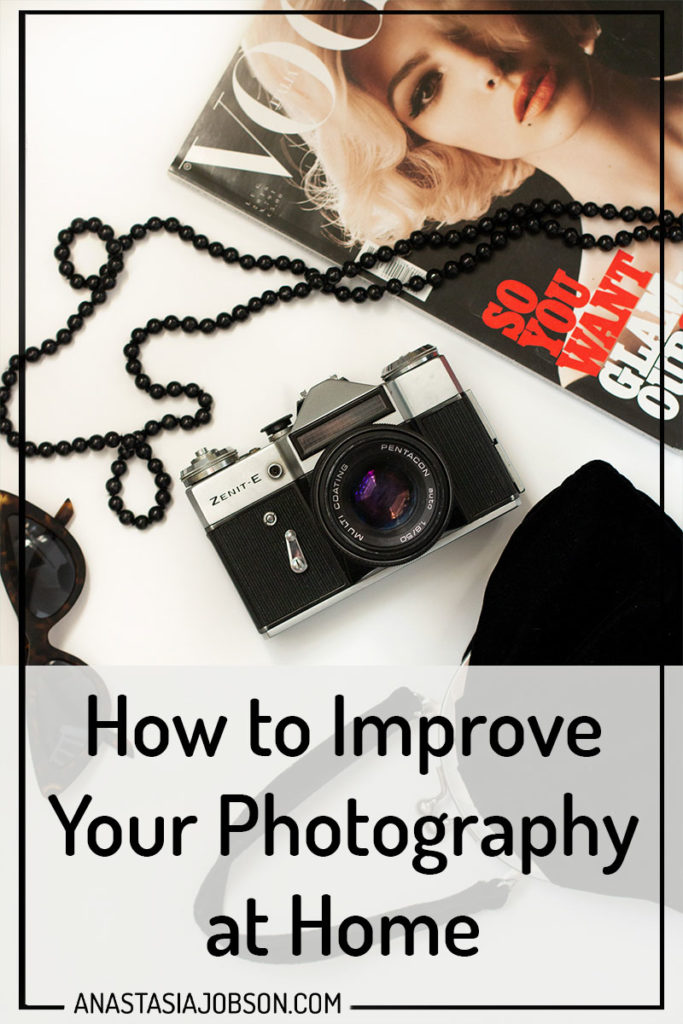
{"type": "Point", "coordinates": [255, 555]}
{"type": "Point", "coordinates": [481, 481]}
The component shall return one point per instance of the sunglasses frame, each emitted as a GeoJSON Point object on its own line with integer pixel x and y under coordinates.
{"type": "Point", "coordinates": [39, 650]}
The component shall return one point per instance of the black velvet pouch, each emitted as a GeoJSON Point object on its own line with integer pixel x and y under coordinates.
{"type": "Point", "coordinates": [592, 576]}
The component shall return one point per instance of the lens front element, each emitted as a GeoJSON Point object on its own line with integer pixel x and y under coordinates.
{"type": "Point", "coordinates": [383, 495]}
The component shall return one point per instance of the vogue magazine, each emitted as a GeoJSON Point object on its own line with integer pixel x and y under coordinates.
{"type": "Point", "coordinates": [349, 125]}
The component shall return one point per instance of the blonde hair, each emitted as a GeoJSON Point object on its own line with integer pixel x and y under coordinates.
{"type": "Point", "coordinates": [376, 180]}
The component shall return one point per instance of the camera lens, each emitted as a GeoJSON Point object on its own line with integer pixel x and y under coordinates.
{"type": "Point", "coordinates": [383, 495]}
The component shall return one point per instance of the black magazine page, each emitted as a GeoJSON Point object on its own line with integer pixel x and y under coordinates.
{"type": "Point", "coordinates": [347, 126]}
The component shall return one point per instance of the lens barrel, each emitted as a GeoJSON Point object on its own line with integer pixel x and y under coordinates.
{"type": "Point", "coordinates": [383, 495]}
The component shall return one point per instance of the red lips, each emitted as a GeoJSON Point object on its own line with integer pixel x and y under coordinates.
{"type": "Point", "coordinates": [534, 93]}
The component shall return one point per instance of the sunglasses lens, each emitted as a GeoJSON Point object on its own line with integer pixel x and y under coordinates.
{"type": "Point", "coordinates": [50, 571]}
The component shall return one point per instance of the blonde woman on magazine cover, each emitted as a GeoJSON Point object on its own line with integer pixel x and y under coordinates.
{"type": "Point", "coordinates": [437, 114]}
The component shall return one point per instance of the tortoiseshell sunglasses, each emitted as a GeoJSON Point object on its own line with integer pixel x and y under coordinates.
{"type": "Point", "coordinates": [54, 575]}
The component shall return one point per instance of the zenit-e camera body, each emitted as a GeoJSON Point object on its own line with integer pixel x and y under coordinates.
{"type": "Point", "coordinates": [367, 478]}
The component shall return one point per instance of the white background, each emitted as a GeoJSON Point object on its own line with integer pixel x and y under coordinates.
{"type": "Point", "coordinates": [109, 101]}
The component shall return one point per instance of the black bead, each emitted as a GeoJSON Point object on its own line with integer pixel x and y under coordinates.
{"type": "Point", "coordinates": [9, 378]}
{"type": "Point", "coordinates": [334, 274]}
{"type": "Point", "coordinates": [115, 265]}
{"type": "Point", "coordinates": [78, 225]}
{"type": "Point", "coordinates": [240, 313]}
{"type": "Point", "coordinates": [143, 451]}
{"type": "Point", "coordinates": [106, 232]}
{"type": "Point", "coordinates": [86, 309]}
{"type": "Point", "coordinates": [605, 243]}
{"type": "Point", "coordinates": [5, 426]}
{"type": "Point", "coordinates": [384, 254]}
{"type": "Point", "coordinates": [623, 238]}
{"type": "Point", "coordinates": [647, 214]}
{"type": "Point", "coordinates": [223, 321]}
{"type": "Point", "coordinates": [418, 239]}
{"type": "Point", "coordinates": [13, 440]}
{"type": "Point", "coordinates": [155, 465]}
{"type": "Point", "coordinates": [205, 400]}
{"type": "Point", "coordinates": [141, 522]}
{"type": "Point", "coordinates": [231, 255]}
{"type": "Point", "coordinates": [113, 486]}
{"type": "Point", "coordinates": [62, 252]}
{"type": "Point", "coordinates": [113, 247]}
{"type": "Point", "coordinates": [285, 294]}
{"type": "Point", "coordinates": [171, 323]}
{"type": "Point", "coordinates": [143, 382]}
{"type": "Point", "coordinates": [551, 228]}
{"type": "Point", "coordinates": [192, 390]}
{"type": "Point", "coordinates": [200, 242]}
{"type": "Point", "coordinates": [416, 283]}
{"type": "Point", "coordinates": [533, 226]}
{"type": "Point", "coordinates": [485, 226]}
{"type": "Point", "coordinates": [375, 292]}
{"type": "Point", "coordinates": [255, 305]}
{"type": "Point", "coordinates": [172, 224]}
{"type": "Point", "coordinates": [434, 278]}
{"type": "Point", "coordinates": [131, 350]}
{"type": "Point", "coordinates": [656, 233]}
{"type": "Point", "coordinates": [155, 514]}
{"type": "Point", "coordinates": [627, 213]}
{"type": "Point", "coordinates": [519, 211]}
{"type": "Point", "coordinates": [63, 448]}
{"type": "Point", "coordinates": [590, 209]}
{"type": "Point", "coordinates": [350, 269]}
{"type": "Point", "coordinates": [587, 241]}
{"type": "Point", "coordinates": [555, 208]}
{"type": "Point", "coordinates": [514, 230]}
{"type": "Point", "coordinates": [247, 262]}
{"type": "Point", "coordinates": [96, 442]}
{"type": "Point", "coordinates": [435, 239]}
{"type": "Point", "coordinates": [74, 322]}
{"type": "Point", "coordinates": [574, 209]}
{"type": "Point", "coordinates": [63, 336]}
{"type": "Point", "coordinates": [187, 422]}
{"type": "Point", "coordinates": [359, 295]}
{"type": "Point", "coordinates": [112, 438]}
{"type": "Point", "coordinates": [451, 269]}
{"type": "Point", "coordinates": [126, 242]}
{"type": "Point", "coordinates": [174, 388]}
{"type": "Point", "coordinates": [342, 293]}
{"type": "Point", "coordinates": [138, 335]}
{"type": "Point", "coordinates": [469, 232]}
{"type": "Point", "coordinates": [163, 498]}
{"type": "Point", "coordinates": [133, 366]}
{"type": "Point", "coordinates": [155, 224]}
{"type": "Point", "coordinates": [467, 262]}
{"type": "Point", "coordinates": [297, 267]}
{"type": "Point", "coordinates": [77, 281]}
{"type": "Point", "coordinates": [667, 218]}
{"type": "Point", "coordinates": [453, 238]}
{"type": "Point", "coordinates": [162, 480]}
{"type": "Point", "coordinates": [46, 449]}
{"type": "Point", "coordinates": [94, 224]}
{"type": "Point", "coordinates": [570, 237]}
{"type": "Point", "coordinates": [65, 236]}
{"type": "Point", "coordinates": [4, 395]}
{"type": "Point", "coordinates": [15, 361]}
{"type": "Point", "coordinates": [119, 467]}
{"type": "Point", "coordinates": [367, 260]}
{"type": "Point", "coordinates": [138, 231]}
{"type": "Point", "coordinates": [128, 442]}
{"type": "Point", "coordinates": [66, 268]}
{"type": "Point", "coordinates": [154, 326]}
{"type": "Point", "coordinates": [269, 298]}
{"type": "Point", "coordinates": [207, 325]}
{"type": "Point", "coordinates": [202, 416]}
{"type": "Point", "coordinates": [282, 262]}
{"type": "Point", "coordinates": [501, 216]}
{"type": "Point", "coordinates": [537, 207]}
{"type": "Point", "coordinates": [93, 282]}
{"type": "Point", "coordinates": [484, 252]}
{"type": "Point", "coordinates": [216, 249]}
{"type": "Point", "coordinates": [640, 233]}
{"type": "Point", "coordinates": [302, 289]}
{"type": "Point", "coordinates": [31, 449]}
{"type": "Point", "coordinates": [401, 248]}
{"type": "Point", "coordinates": [79, 444]}
{"type": "Point", "coordinates": [264, 262]}
{"type": "Point", "coordinates": [152, 427]}
{"type": "Point", "coordinates": [189, 324]}
{"type": "Point", "coordinates": [608, 211]}
{"type": "Point", "coordinates": [169, 422]}
{"type": "Point", "coordinates": [186, 233]}
{"type": "Point", "coordinates": [32, 354]}
{"type": "Point", "coordinates": [157, 391]}
{"type": "Point", "coordinates": [126, 517]}
{"type": "Point", "coordinates": [99, 297]}
{"type": "Point", "coordinates": [115, 503]}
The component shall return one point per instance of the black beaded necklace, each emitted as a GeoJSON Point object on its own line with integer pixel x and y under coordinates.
{"type": "Point", "coordinates": [538, 217]}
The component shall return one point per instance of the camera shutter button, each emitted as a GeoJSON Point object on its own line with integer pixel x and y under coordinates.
{"type": "Point", "coordinates": [277, 426]}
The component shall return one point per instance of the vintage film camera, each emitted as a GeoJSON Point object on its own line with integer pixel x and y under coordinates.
{"type": "Point", "coordinates": [367, 478]}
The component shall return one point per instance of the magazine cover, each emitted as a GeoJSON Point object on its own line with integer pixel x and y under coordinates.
{"type": "Point", "coordinates": [348, 127]}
